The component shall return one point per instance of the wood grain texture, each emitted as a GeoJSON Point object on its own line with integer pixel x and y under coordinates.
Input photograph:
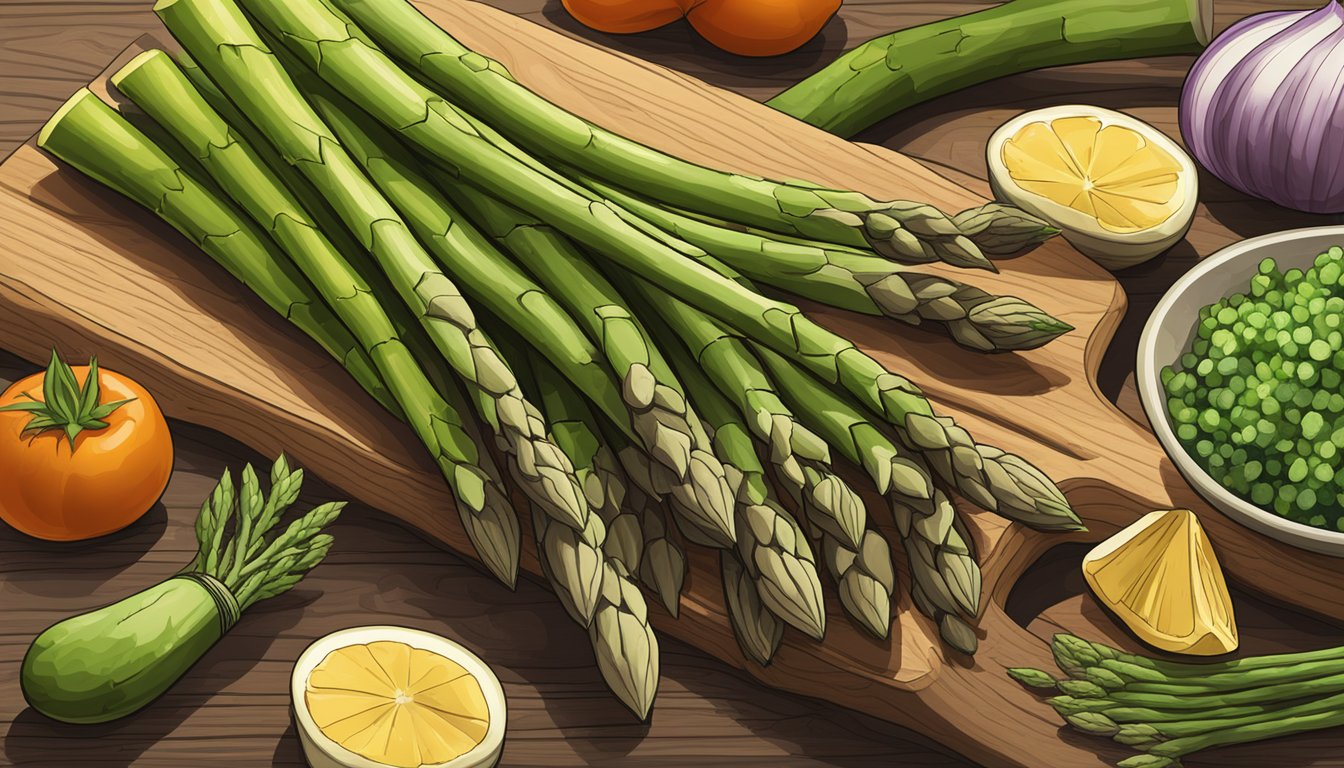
{"type": "Point", "coordinates": [948, 133]}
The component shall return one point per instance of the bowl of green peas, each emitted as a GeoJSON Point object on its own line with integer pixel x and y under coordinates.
{"type": "Point", "coordinates": [1240, 369]}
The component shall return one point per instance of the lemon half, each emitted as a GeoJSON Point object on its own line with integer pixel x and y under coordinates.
{"type": "Point", "coordinates": [380, 697]}
{"type": "Point", "coordinates": [1120, 189]}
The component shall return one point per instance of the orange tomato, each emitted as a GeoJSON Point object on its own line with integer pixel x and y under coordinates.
{"type": "Point", "coordinates": [744, 27]}
{"type": "Point", "coordinates": [102, 483]}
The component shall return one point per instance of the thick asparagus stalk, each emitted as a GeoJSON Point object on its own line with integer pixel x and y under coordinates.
{"type": "Point", "coordinates": [905, 68]}
{"type": "Point", "coordinates": [213, 32]}
{"type": "Point", "coordinates": [859, 282]}
{"type": "Point", "coordinates": [758, 631]}
{"type": "Point", "coordinates": [485, 88]}
{"type": "Point", "coordinates": [79, 134]}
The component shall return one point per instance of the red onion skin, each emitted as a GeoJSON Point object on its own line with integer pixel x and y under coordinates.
{"type": "Point", "coordinates": [1263, 108]}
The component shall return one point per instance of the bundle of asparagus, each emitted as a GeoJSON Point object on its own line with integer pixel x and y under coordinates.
{"type": "Point", "coordinates": [509, 278]}
{"type": "Point", "coordinates": [1169, 709]}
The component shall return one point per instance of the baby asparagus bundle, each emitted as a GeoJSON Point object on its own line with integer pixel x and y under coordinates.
{"type": "Point", "coordinates": [508, 278]}
{"type": "Point", "coordinates": [108, 663]}
{"type": "Point", "coordinates": [1169, 709]}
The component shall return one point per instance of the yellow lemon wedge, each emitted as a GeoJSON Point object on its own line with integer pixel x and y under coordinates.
{"type": "Point", "coordinates": [380, 697]}
{"type": "Point", "coordinates": [1121, 191]}
{"type": "Point", "coordinates": [1162, 579]}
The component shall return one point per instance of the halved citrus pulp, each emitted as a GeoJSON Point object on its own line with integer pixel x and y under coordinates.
{"type": "Point", "coordinates": [390, 696]}
{"type": "Point", "coordinates": [1119, 188]}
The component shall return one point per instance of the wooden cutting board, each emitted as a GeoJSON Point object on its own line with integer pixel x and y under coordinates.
{"type": "Point", "coordinates": [89, 272]}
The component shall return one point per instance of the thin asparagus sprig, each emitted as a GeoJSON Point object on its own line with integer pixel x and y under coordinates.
{"type": "Point", "coordinates": [212, 32]}
{"type": "Point", "coordinates": [1238, 701]}
{"type": "Point", "coordinates": [857, 281]}
{"type": "Point", "coordinates": [899, 230]}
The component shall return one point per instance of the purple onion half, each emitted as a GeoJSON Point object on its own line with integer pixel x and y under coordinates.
{"type": "Point", "coordinates": [1263, 108]}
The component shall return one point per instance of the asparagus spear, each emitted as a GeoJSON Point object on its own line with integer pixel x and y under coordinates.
{"type": "Point", "coordinates": [859, 282]}
{"type": "Point", "coordinates": [213, 33]}
{"type": "Point", "coordinates": [907, 67]}
{"type": "Point", "coordinates": [78, 133]}
{"type": "Point", "coordinates": [758, 631]}
{"type": "Point", "coordinates": [572, 562]}
{"type": "Point", "coordinates": [484, 87]}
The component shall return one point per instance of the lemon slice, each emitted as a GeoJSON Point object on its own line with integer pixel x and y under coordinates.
{"type": "Point", "coordinates": [374, 697]}
{"type": "Point", "coordinates": [1121, 191]}
{"type": "Point", "coordinates": [1161, 577]}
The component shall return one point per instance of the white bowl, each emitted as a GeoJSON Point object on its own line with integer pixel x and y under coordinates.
{"type": "Point", "coordinates": [1167, 336]}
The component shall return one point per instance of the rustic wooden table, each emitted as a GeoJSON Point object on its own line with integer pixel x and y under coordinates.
{"type": "Point", "coordinates": [232, 709]}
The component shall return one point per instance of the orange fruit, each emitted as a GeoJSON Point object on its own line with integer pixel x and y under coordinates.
{"type": "Point", "coordinates": [86, 477]}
